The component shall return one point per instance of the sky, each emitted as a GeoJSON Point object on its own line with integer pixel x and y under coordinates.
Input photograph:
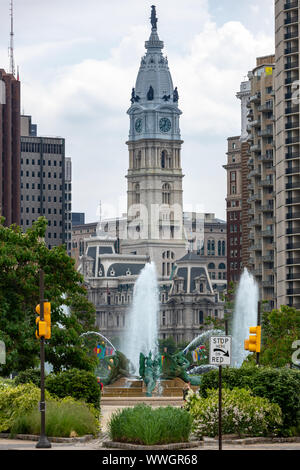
{"type": "Point", "coordinates": [79, 60]}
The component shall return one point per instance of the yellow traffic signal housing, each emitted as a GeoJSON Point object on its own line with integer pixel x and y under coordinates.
{"type": "Point", "coordinates": [253, 344]}
{"type": "Point", "coordinates": [43, 327]}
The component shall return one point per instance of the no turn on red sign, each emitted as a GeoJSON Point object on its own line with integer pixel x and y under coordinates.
{"type": "Point", "coordinates": [220, 350]}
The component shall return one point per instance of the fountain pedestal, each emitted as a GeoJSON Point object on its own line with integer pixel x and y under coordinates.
{"type": "Point", "coordinates": [136, 388]}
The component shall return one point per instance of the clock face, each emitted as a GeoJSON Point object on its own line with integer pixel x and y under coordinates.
{"type": "Point", "coordinates": [138, 125]}
{"type": "Point", "coordinates": [164, 124]}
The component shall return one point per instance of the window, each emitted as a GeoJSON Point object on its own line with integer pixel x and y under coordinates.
{"type": "Point", "coordinates": [163, 159]}
{"type": "Point", "coordinates": [137, 160]}
{"type": "Point", "coordinates": [166, 193]}
{"type": "Point", "coordinates": [137, 195]}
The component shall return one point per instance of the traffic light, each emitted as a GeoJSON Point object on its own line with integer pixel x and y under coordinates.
{"type": "Point", "coordinates": [43, 327]}
{"type": "Point", "coordinates": [254, 342]}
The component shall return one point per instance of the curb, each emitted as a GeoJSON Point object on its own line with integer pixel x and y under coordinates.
{"type": "Point", "coordinates": [34, 437]}
{"type": "Point", "coordinates": [253, 440]}
{"type": "Point", "coordinates": [174, 446]}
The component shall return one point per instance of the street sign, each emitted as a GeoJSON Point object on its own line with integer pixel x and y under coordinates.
{"type": "Point", "coordinates": [220, 350]}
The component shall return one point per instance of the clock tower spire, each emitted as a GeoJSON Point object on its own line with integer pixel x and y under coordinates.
{"type": "Point", "coordinates": [154, 178]}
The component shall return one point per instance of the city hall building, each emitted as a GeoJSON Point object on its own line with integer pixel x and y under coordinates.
{"type": "Point", "coordinates": [155, 229]}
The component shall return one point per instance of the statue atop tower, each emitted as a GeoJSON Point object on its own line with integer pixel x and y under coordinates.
{"type": "Point", "coordinates": [153, 17]}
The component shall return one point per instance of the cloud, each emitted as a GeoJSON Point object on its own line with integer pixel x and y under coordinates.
{"type": "Point", "coordinates": [77, 80]}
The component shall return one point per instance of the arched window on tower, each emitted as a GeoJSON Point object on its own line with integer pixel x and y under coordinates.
{"type": "Point", "coordinates": [166, 193]}
{"type": "Point", "coordinates": [137, 160]}
{"type": "Point", "coordinates": [137, 194]}
{"type": "Point", "coordinates": [169, 161]}
{"type": "Point", "coordinates": [223, 248]}
{"type": "Point", "coordinates": [163, 159]}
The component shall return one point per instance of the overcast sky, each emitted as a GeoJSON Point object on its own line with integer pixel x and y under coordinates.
{"type": "Point", "coordinates": [79, 61]}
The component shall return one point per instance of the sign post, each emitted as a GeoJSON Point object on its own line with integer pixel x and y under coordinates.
{"type": "Point", "coordinates": [220, 355]}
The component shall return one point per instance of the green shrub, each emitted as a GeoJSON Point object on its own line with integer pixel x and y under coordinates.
{"type": "Point", "coordinates": [144, 425]}
{"type": "Point", "coordinates": [242, 413]}
{"type": "Point", "coordinates": [279, 386]}
{"type": "Point", "coordinates": [64, 418]}
{"type": "Point", "coordinates": [16, 401]}
{"type": "Point", "coordinates": [29, 376]}
{"type": "Point", "coordinates": [79, 384]}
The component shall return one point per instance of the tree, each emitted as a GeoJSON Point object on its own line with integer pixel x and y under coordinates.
{"type": "Point", "coordinates": [21, 258]}
{"type": "Point", "coordinates": [280, 329]}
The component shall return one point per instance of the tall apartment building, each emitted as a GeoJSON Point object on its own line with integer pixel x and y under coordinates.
{"type": "Point", "coordinates": [287, 152]}
{"type": "Point", "coordinates": [9, 148]}
{"type": "Point", "coordinates": [261, 177]}
{"type": "Point", "coordinates": [43, 180]}
{"type": "Point", "coordinates": [234, 209]}
{"type": "Point", "coordinates": [237, 193]}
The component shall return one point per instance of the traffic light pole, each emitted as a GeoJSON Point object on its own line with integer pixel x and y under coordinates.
{"type": "Point", "coordinates": [43, 442]}
{"type": "Point", "coordinates": [258, 324]}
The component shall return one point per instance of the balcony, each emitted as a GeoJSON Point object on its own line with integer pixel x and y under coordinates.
{"type": "Point", "coordinates": [266, 182]}
{"type": "Point", "coordinates": [290, 20]}
{"type": "Point", "coordinates": [257, 272]}
{"type": "Point", "coordinates": [255, 148]}
{"type": "Point", "coordinates": [291, 35]}
{"type": "Point", "coordinates": [291, 5]}
{"type": "Point", "coordinates": [293, 261]}
{"type": "Point", "coordinates": [292, 140]}
{"type": "Point", "coordinates": [291, 65]}
{"type": "Point", "coordinates": [267, 132]}
{"type": "Point", "coordinates": [267, 208]}
{"type": "Point", "coordinates": [293, 292]}
{"type": "Point", "coordinates": [295, 215]}
{"type": "Point", "coordinates": [255, 98]}
{"type": "Point", "coordinates": [266, 158]}
{"type": "Point", "coordinates": [292, 171]}
{"type": "Point", "coordinates": [268, 284]}
{"type": "Point", "coordinates": [292, 125]}
{"type": "Point", "coordinates": [267, 233]}
{"type": "Point", "coordinates": [295, 185]}
{"type": "Point", "coordinates": [255, 172]}
{"type": "Point", "coordinates": [291, 50]}
{"type": "Point", "coordinates": [292, 109]}
{"type": "Point", "coordinates": [267, 106]}
{"type": "Point", "coordinates": [291, 200]}
{"type": "Point", "coordinates": [288, 95]}
{"type": "Point", "coordinates": [254, 197]}
{"type": "Point", "coordinates": [292, 155]}
{"type": "Point", "coordinates": [290, 80]}
{"type": "Point", "coordinates": [293, 246]}
{"type": "Point", "coordinates": [268, 258]}
{"type": "Point", "coordinates": [293, 277]}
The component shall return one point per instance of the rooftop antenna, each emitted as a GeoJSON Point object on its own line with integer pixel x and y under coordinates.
{"type": "Point", "coordinates": [11, 45]}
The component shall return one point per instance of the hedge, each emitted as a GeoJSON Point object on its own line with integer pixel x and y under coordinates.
{"type": "Point", "coordinates": [147, 426]}
{"type": "Point", "coordinates": [79, 384]}
{"type": "Point", "coordinates": [242, 413]}
{"type": "Point", "coordinates": [279, 386]}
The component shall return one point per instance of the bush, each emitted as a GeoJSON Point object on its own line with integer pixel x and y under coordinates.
{"type": "Point", "coordinates": [29, 376]}
{"type": "Point", "coordinates": [242, 413]}
{"type": "Point", "coordinates": [279, 386]}
{"type": "Point", "coordinates": [16, 401]}
{"type": "Point", "coordinates": [144, 425]}
{"type": "Point", "coordinates": [64, 418]}
{"type": "Point", "coordinates": [79, 384]}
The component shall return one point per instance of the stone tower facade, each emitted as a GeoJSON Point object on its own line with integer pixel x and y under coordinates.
{"type": "Point", "coordinates": [154, 178]}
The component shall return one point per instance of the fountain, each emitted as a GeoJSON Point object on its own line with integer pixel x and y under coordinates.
{"type": "Point", "coordinates": [142, 329]}
{"type": "Point", "coordinates": [245, 315]}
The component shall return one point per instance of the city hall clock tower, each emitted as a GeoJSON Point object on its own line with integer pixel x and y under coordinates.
{"type": "Point", "coordinates": [154, 178]}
